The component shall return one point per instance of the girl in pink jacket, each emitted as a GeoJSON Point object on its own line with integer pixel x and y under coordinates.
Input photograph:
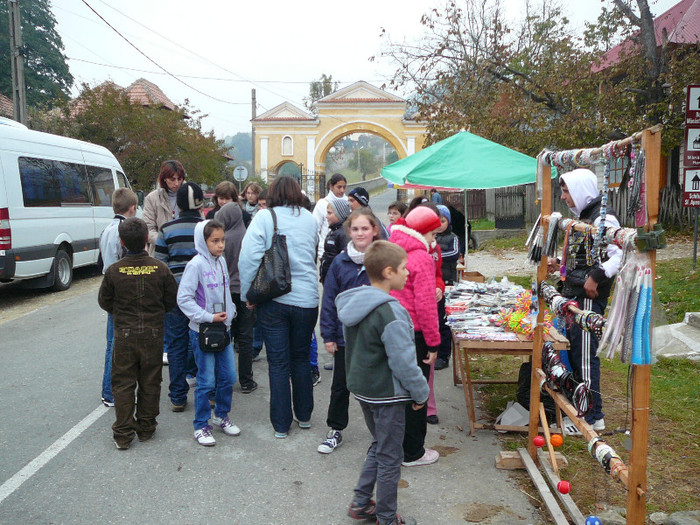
{"type": "Point", "coordinates": [415, 233]}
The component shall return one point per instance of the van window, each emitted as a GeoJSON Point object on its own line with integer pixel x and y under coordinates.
{"type": "Point", "coordinates": [52, 183]}
{"type": "Point", "coordinates": [102, 184]}
{"type": "Point", "coordinates": [121, 180]}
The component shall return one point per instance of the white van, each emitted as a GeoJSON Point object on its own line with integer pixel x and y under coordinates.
{"type": "Point", "coordinates": [55, 200]}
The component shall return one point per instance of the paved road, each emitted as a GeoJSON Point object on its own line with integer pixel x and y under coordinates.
{"type": "Point", "coordinates": [58, 463]}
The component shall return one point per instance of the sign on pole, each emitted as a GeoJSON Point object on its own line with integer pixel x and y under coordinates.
{"type": "Point", "coordinates": [691, 158]}
{"type": "Point", "coordinates": [691, 188]}
{"type": "Point", "coordinates": [240, 173]}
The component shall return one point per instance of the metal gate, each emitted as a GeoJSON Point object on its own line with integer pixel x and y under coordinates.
{"type": "Point", "coordinates": [510, 207]}
{"type": "Point", "coordinates": [313, 184]}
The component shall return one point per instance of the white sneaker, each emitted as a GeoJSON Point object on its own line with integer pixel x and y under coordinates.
{"type": "Point", "coordinates": [429, 457]}
{"type": "Point", "coordinates": [215, 421]}
{"type": "Point", "coordinates": [569, 428]}
{"type": "Point", "coordinates": [165, 358]}
{"type": "Point", "coordinates": [228, 426]}
{"type": "Point", "coordinates": [204, 437]}
{"type": "Point", "coordinates": [599, 425]}
{"type": "Point", "coordinates": [334, 439]}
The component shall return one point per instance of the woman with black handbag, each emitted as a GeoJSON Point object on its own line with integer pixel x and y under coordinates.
{"type": "Point", "coordinates": [285, 230]}
{"type": "Point", "coordinates": [205, 298]}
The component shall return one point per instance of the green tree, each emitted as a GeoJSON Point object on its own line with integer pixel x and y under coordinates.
{"type": "Point", "coordinates": [140, 137]}
{"type": "Point", "coordinates": [47, 76]}
{"type": "Point", "coordinates": [318, 89]}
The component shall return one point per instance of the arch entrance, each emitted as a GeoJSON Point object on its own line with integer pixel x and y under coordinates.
{"type": "Point", "coordinates": [289, 134]}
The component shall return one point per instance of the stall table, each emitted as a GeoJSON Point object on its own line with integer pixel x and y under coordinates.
{"type": "Point", "coordinates": [463, 348]}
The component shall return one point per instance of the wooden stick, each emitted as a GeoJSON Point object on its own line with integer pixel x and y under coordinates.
{"type": "Point", "coordinates": [542, 488]}
{"type": "Point", "coordinates": [548, 438]}
{"type": "Point", "coordinates": [566, 499]}
{"type": "Point", "coordinates": [641, 374]}
{"type": "Point", "coordinates": [539, 335]}
{"type": "Point", "coordinates": [617, 467]}
{"type": "Point", "coordinates": [623, 142]}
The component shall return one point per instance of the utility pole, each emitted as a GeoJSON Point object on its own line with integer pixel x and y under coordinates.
{"type": "Point", "coordinates": [19, 93]}
{"type": "Point", "coordinates": [252, 130]}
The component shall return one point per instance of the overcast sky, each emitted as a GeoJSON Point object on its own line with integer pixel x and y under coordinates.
{"type": "Point", "coordinates": [225, 48]}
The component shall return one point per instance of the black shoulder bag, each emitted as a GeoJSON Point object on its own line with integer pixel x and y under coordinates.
{"type": "Point", "coordinates": [214, 337]}
{"type": "Point", "coordinates": [274, 277]}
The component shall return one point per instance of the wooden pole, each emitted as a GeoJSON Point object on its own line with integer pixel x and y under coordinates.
{"type": "Point", "coordinates": [538, 335]}
{"type": "Point", "coordinates": [641, 374]}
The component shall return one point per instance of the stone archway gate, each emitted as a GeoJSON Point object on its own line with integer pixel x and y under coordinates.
{"type": "Point", "coordinates": [289, 134]}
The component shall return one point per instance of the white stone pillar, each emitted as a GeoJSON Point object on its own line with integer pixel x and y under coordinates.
{"type": "Point", "coordinates": [263, 158]}
{"type": "Point", "coordinates": [410, 145]}
{"type": "Point", "coordinates": [310, 154]}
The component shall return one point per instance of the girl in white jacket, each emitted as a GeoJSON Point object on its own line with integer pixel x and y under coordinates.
{"type": "Point", "coordinates": [204, 297]}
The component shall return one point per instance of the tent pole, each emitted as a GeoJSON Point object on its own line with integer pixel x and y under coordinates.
{"type": "Point", "coordinates": [466, 234]}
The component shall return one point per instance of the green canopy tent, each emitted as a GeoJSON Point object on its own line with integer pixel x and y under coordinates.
{"type": "Point", "coordinates": [463, 161]}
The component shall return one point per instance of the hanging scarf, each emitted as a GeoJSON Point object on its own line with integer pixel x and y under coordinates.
{"type": "Point", "coordinates": [355, 256]}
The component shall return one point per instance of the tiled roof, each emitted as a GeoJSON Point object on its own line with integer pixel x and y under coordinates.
{"type": "Point", "coordinates": [147, 93]}
{"type": "Point", "coordinates": [681, 24]}
{"type": "Point", "coordinates": [7, 107]}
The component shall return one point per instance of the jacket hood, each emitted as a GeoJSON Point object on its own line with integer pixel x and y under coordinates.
{"type": "Point", "coordinates": [407, 238]}
{"type": "Point", "coordinates": [230, 215]}
{"type": "Point", "coordinates": [355, 304]}
{"type": "Point", "coordinates": [583, 188]}
{"type": "Point", "coordinates": [200, 244]}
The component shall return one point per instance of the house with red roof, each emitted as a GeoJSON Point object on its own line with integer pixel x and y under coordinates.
{"type": "Point", "coordinates": [6, 107]}
{"type": "Point", "coordinates": [678, 26]}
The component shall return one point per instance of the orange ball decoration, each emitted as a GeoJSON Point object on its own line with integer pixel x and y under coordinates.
{"type": "Point", "coordinates": [564, 487]}
{"type": "Point", "coordinates": [538, 441]}
{"type": "Point", "coordinates": [556, 440]}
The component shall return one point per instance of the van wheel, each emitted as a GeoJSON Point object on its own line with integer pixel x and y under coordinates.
{"type": "Point", "coordinates": [62, 271]}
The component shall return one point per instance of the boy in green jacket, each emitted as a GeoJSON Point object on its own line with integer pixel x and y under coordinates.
{"type": "Point", "coordinates": [382, 373]}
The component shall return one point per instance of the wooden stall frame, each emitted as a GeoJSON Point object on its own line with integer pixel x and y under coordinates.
{"type": "Point", "coordinates": [636, 482]}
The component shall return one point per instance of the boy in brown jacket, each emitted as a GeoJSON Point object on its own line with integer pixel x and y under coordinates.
{"type": "Point", "coordinates": [137, 290]}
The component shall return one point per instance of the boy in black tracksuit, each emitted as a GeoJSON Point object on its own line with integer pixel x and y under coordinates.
{"type": "Point", "coordinates": [137, 290]}
{"type": "Point", "coordinates": [587, 280]}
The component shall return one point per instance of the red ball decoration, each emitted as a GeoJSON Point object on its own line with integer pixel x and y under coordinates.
{"type": "Point", "coordinates": [538, 441]}
{"type": "Point", "coordinates": [564, 487]}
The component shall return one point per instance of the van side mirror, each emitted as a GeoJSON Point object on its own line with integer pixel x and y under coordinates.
{"type": "Point", "coordinates": [140, 195]}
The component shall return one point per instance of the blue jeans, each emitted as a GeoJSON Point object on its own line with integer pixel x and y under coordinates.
{"type": "Point", "coordinates": [177, 341]}
{"type": "Point", "coordinates": [107, 376]}
{"type": "Point", "coordinates": [287, 331]}
{"type": "Point", "coordinates": [215, 371]}
{"type": "Point", "coordinates": [313, 349]}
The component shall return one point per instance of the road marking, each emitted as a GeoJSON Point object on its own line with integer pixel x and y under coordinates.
{"type": "Point", "coordinates": [47, 455]}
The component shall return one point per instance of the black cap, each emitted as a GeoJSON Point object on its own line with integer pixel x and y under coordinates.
{"type": "Point", "coordinates": [190, 197]}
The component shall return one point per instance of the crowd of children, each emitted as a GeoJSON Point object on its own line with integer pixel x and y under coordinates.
{"type": "Point", "coordinates": [381, 318]}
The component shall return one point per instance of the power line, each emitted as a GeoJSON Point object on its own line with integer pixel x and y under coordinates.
{"type": "Point", "coordinates": [157, 64]}
{"type": "Point", "coordinates": [218, 79]}
{"type": "Point", "coordinates": [193, 53]}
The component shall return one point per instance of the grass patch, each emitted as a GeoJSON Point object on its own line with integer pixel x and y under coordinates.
{"type": "Point", "coordinates": [678, 288]}
{"type": "Point", "coordinates": [501, 244]}
{"type": "Point", "coordinates": [482, 224]}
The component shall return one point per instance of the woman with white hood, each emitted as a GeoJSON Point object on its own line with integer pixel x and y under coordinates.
{"type": "Point", "coordinates": [204, 297]}
{"type": "Point", "coordinates": [588, 279]}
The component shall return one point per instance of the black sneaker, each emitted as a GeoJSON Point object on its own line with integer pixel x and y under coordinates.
{"type": "Point", "coordinates": [249, 387]}
{"type": "Point", "coordinates": [178, 407]}
{"type": "Point", "coordinates": [315, 376]}
{"type": "Point", "coordinates": [334, 439]}
{"type": "Point", "coordinates": [432, 420]}
{"type": "Point", "coordinates": [121, 446]}
{"type": "Point", "coordinates": [363, 512]}
{"type": "Point", "coordinates": [441, 363]}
